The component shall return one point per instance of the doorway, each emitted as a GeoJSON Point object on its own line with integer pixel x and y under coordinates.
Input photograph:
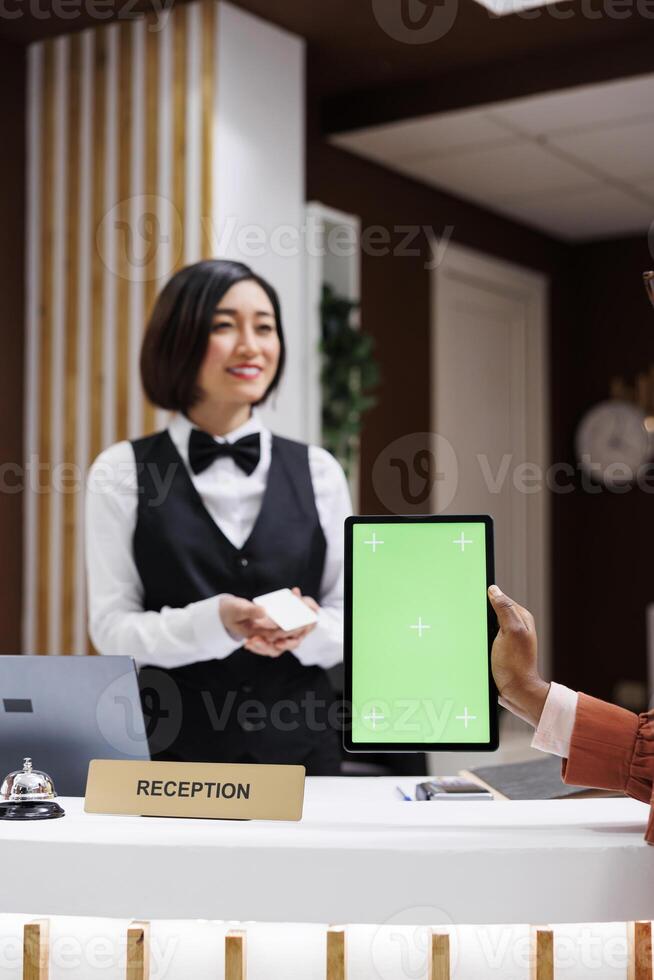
{"type": "Point", "coordinates": [489, 399]}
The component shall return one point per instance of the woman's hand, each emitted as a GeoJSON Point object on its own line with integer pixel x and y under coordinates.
{"type": "Point", "coordinates": [243, 618]}
{"type": "Point", "coordinates": [273, 646]}
{"type": "Point", "coordinates": [514, 659]}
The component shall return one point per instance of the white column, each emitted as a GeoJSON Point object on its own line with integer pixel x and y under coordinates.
{"type": "Point", "coordinates": [259, 201]}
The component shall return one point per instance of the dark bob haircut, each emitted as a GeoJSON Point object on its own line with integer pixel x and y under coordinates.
{"type": "Point", "coordinates": [178, 331]}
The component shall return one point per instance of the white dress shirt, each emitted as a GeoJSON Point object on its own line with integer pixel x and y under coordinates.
{"type": "Point", "coordinates": [118, 624]}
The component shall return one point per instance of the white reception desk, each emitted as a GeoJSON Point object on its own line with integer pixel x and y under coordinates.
{"type": "Point", "coordinates": [360, 854]}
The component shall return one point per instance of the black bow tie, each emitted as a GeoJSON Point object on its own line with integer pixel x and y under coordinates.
{"type": "Point", "coordinates": [203, 449]}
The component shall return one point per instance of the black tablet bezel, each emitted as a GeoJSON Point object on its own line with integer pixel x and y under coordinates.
{"type": "Point", "coordinates": [394, 747]}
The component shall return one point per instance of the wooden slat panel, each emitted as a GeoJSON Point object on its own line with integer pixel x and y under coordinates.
{"type": "Point", "coordinates": [152, 83]}
{"type": "Point", "coordinates": [336, 954]}
{"type": "Point", "coordinates": [45, 336]}
{"type": "Point", "coordinates": [542, 960]}
{"type": "Point", "coordinates": [36, 950]}
{"type": "Point", "coordinates": [71, 319]}
{"type": "Point", "coordinates": [138, 951]}
{"type": "Point", "coordinates": [439, 956]}
{"type": "Point", "coordinates": [235, 956]}
{"type": "Point", "coordinates": [124, 232]}
{"type": "Point", "coordinates": [640, 950]}
{"type": "Point", "coordinates": [99, 122]}
{"type": "Point", "coordinates": [98, 188]}
{"type": "Point", "coordinates": [208, 108]}
{"type": "Point", "coordinates": [180, 40]}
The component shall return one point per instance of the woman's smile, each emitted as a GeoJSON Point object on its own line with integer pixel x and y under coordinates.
{"type": "Point", "coordinates": [246, 372]}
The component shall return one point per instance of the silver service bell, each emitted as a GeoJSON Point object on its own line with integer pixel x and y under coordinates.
{"type": "Point", "coordinates": [28, 794]}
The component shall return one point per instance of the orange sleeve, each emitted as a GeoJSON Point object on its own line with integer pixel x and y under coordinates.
{"type": "Point", "coordinates": [612, 748]}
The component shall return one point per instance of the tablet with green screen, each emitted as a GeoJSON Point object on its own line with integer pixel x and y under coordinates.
{"type": "Point", "coordinates": [418, 634]}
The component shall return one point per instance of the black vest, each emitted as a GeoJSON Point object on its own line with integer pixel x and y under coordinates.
{"type": "Point", "coordinates": [246, 706]}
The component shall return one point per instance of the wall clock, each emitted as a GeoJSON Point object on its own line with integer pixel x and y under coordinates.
{"type": "Point", "coordinates": [613, 432]}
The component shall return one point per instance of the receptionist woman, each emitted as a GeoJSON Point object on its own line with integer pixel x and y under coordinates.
{"type": "Point", "coordinates": [185, 527]}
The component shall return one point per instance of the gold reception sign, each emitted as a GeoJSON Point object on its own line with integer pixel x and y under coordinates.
{"type": "Point", "coordinates": [195, 789]}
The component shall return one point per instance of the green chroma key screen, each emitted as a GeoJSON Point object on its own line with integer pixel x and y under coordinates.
{"type": "Point", "coordinates": [418, 634]}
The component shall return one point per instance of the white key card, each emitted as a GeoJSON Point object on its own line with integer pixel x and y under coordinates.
{"type": "Point", "coordinates": [284, 607]}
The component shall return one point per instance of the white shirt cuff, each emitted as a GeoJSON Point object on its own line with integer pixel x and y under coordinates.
{"type": "Point", "coordinates": [323, 646]}
{"type": "Point", "coordinates": [554, 732]}
{"type": "Point", "coordinates": [213, 639]}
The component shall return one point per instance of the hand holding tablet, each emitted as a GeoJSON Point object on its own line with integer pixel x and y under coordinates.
{"type": "Point", "coordinates": [418, 634]}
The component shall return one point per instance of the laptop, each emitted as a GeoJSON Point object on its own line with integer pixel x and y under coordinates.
{"type": "Point", "coordinates": [61, 712]}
